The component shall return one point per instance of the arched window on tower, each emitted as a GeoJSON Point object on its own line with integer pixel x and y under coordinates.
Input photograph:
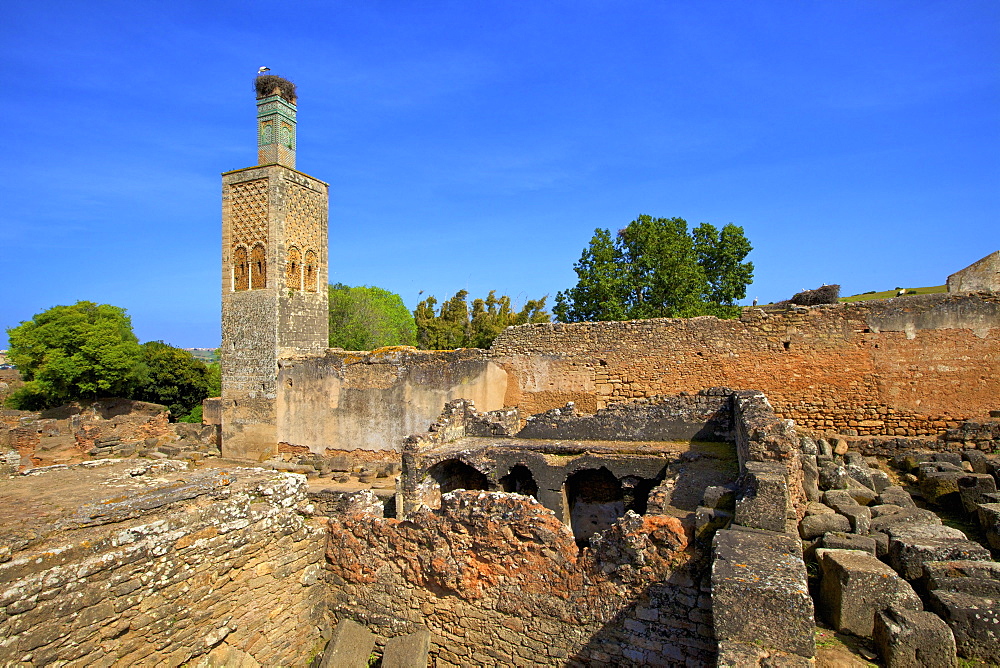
{"type": "Point", "coordinates": [241, 270]}
{"type": "Point", "coordinates": [258, 268]}
{"type": "Point", "coordinates": [293, 270]}
{"type": "Point", "coordinates": [311, 269]}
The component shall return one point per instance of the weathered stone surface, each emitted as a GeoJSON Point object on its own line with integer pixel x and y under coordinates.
{"type": "Point", "coordinates": [763, 502]}
{"type": "Point", "coordinates": [975, 621]}
{"type": "Point", "coordinates": [908, 517]}
{"type": "Point", "coordinates": [941, 488]}
{"type": "Point", "coordinates": [973, 489]}
{"type": "Point", "coordinates": [860, 518]}
{"type": "Point", "coordinates": [409, 651]}
{"type": "Point", "coordinates": [759, 592]}
{"type": "Point", "coordinates": [911, 546]}
{"type": "Point", "coordinates": [940, 574]}
{"type": "Point", "coordinates": [989, 520]}
{"type": "Point", "coordinates": [158, 564]}
{"type": "Point", "coordinates": [817, 525]}
{"type": "Point", "coordinates": [896, 496]}
{"type": "Point", "coordinates": [810, 477]}
{"type": "Point", "coordinates": [913, 639]}
{"type": "Point", "coordinates": [855, 586]}
{"type": "Point", "coordinates": [848, 541]}
{"type": "Point", "coordinates": [350, 646]}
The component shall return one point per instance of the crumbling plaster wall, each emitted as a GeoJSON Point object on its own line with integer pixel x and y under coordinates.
{"type": "Point", "coordinates": [908, 366]}
{"type": "Point", "coordinates": [347, 401]}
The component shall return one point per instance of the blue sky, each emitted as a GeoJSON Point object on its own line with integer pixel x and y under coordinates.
{"type": "Point", "coordinates": [477, 145]}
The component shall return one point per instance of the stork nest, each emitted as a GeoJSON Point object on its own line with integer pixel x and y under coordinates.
{"type": "Point", "coordinates": [266, 85]}
{"type": "Point", "coordinates": [828, 294]}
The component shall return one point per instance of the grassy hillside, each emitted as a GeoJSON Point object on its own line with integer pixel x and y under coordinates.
{"type": "Point", "coordinates": [892, 293]}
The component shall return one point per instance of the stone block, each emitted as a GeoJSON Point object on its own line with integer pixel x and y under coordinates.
{"type": "Point", "coordinates": [350, 646]}
{"type": "Point", "coordinates": [837, 540]}
{"type": "Point", "coordinates": [763, 502]}
{"type": "Point", "coordinates": [974, 620]}
{"type": "Point", "coordinates": [409, 651]}
{"type": "Point", "coordinates": [880, 480]}
{"type": "Point", "coordinates": [839, 498]}
{"type": "Point", "coordinates": [896, 496]}
{"type": "Point", "coordinates": [759, 592]}
{"type": "Point", "coordinates": [940, 573]}
{"type": "Point", "coordinates": [810, 477]}
{"type": "Point", "coordinates": [720, 496]}
{"type": "Point", "coordinates": [912, 545]}
{"type": "Point", "coordinates": [973, 489]}
{"type": "Point", "coordinates": [709, 520]}
{"type": "Point", "coordinates": [977, 459]}
{"type": "Point", "coordinates": [909, 516]}
{"type": "Point", "coordinates": [861, 473]}
{"type": "Point", "coordinates": [860, 518]}
{"type": "Point", "coordinates": [913, 639]}
{"type": "Point", "coordinates": [954, 458]}
{"type": "Point", "coordinates": [861, 493]}
{"type": "Point", "coordinates": [989, 520]}
{"type": "Point", "coordinates": [941, 488]}
{"type": "Point", "coordinates": [832, 476]}
{"type": "Point", "coordinates": [817, 525]}
{"type": "Point", "coordinates": [855, 585]}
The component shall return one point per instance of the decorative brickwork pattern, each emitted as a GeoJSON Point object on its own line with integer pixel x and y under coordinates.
{"type": "Point", "coordinates": [241, 269]}
{"type": "Point", "coordinates": [303, 207]}
{"type": "Point", "coordinates": [258, 267]}
{"type": "Point", "coordinates": [248, 212]}
{"type": "Point", "coordinates": [293, 269]}
{"type": "Point", "coordinates": [311, 270]}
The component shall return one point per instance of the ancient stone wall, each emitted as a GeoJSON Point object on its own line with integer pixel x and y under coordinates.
{"type": "Point", "coordinates": [499, 580]}
{"type": "Point", "coordinates": [149, 564]}
{"type": "Point", "coordinates": [978, 276]}
{"type": "Point", "coordinates": [908, 366]}
{"type": "Point", "coordinates": [347, 401]}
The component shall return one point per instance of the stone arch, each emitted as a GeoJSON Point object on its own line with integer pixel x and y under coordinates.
{"type": "Point", "coordinates": [596, 501]}
{"type": "Point", "coordinates": [311, 269]}
{"type": "Point", "coordinates": [293, 269]}
{"type": "Point", "coordinates": [241, 269]}
{"type": "Point", "coordinates": [520, 480]}
{"type": "Point", "coordinates": [258, 267]}
{"type": "Point", "coordinates": [452, 474]}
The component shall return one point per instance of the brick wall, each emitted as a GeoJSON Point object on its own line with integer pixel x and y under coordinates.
{"type": "Point", "coordinates": [908, 366]}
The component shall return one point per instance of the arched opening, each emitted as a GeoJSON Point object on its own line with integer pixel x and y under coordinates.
{"type": "Point", "coordinates": [293, 269]}
{"type": "Point", "coordinates": [258, 268]}
{"type": "Point", "coordinates": [520, 481]}
{"type": "Point", "coordinates": [452, 474]}
{"type": "Point", "coordinates": [595, 501]}
{"type": "Point", "coordinates": [311, 270]}
{"type": "Point", "coordinates": [241, 270]}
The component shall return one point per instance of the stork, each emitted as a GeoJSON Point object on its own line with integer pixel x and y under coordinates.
{"type": "Point", "coordinates": [263, 70]}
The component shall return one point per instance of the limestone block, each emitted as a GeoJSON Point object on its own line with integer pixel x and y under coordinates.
{"type": "Point", "coordinates": [913, 639]}
{"type": "Point", "coordinates": [759, 592]}
{"type": "Point", "coordinates": [896, 496]}
{"type": "Point", "coordinates": [350, 646]}
{"type": "Point", "coordinates": [855, 586]}
{"type": "Point", "coordinates": [409, 651]}
{"type": "Point", "coordinates": [860, 518]}
{"type": "Point", "coordinates": [909, 516]}
{"type": "Point", "coordinates": [832, 476]}
{"type": "Point", "coordinates": [943, 574]}
{"type": "Point", "coordinates": [817, 508]}
{"type": "Point", "coordinates": [989, 520]}
{"type": "Point", "coordinates": [941, 488]}
{"type": "Point", "coordinates": [861, 474]}
{"type": "Point", "coordinates": [720, 496]}
{"type": "Point", "coordinates": [810, 477]}
{"type": "Point", "coordinates": [838, 540]}
{"type": "Point", "coordinates": [975, 621]}
{"type": "Point", "coordinates": [880, 480]}
{"type": "Point", "coordinates": [817, 525]}
{"type": "Point", "coordinates": [912, 545]}
{"type": "Point", "coordinates": [763, 502]}
{"type": "Point", "coordinates": [838, 498]}
{"type": "Point", "coordinates": [973, 488]}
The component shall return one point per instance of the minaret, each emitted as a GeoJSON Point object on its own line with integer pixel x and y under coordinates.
{"type": "Point", "coordinates": [274, 274]}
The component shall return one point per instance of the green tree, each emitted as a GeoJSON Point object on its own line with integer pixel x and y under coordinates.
{"type": "Point", "coordinates": [455, 326]}
{"type": "Point", "coordinates": [86, 350]}
{"type": "Point", "coordinates": [656, 268]}
{"type": "Point", "coordinates": [366, 317]}
{"type": "Point", "coordinates": [172, 377]}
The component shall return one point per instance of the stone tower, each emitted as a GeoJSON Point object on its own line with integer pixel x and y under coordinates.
{"type": "Point", "coordinates": [274, 274]}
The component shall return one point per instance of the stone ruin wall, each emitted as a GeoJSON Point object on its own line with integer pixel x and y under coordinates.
{"type": "Point", "coordinates": [161, 565]}
{"type": "Point", "coordinates": [913, 366]}
{"type": "Point", "coordinates": [499, 580]}
{"type": "Point", "coordinates": [371, 401]}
